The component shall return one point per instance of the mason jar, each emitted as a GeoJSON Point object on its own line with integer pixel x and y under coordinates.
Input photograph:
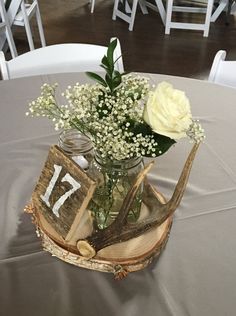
{"type": "Point", "coordinates": [114, 178]}
{"type": "Point", "coordinates": [78, 146]}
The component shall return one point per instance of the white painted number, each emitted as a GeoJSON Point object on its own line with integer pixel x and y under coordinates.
{"type": "Point", "coordinates": [46, 196]}
{"type": "Point", "coordinates": [75, 186]}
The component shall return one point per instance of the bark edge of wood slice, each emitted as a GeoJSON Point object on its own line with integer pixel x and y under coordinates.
{"type": "Point", "coordinates": [119, 259]}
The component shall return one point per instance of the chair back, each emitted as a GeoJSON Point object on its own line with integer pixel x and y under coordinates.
{"type": "Point", "coordinates": [223, 72]}
{"type": "Point", "coordinates": [59, 58]}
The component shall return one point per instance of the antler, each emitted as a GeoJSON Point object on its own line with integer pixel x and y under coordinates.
{"type": "Point", "coordinates": [120, 230]}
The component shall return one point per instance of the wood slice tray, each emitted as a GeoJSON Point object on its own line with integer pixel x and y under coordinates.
{"type": "Point", "coordinates": [119, 259]}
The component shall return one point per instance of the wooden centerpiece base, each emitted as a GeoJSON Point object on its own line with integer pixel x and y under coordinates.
{"type": "Point", "coordinates": [67, 230]}
{"type": "Point", "coordinates": [120, 258]}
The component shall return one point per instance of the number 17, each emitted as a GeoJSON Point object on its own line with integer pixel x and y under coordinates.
{"type": "Point", "coordinates": [75, 186]}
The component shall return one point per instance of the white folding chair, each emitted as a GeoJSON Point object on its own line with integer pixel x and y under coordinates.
{"type": "Point", "coordinates": [223, 72]}
{"type": "Point", "coordinates": [191, 9]}
{"type": "Point", "coordinates": [23, 17]}
{"type": "Point", "coordinates": [19, 13]}
{"type": "Point", "coordinates": [220, 8]}
{"type": "Point", "coordinates": [124, 11]}
{"type": "Point", "coordinates": [223, 5]}
{"type": "Point", "coordinates": [92, 5]}
{"type": "Point", "coordinates": [58, 59]}
{"type": "Point", "coordinates": [6, 29]}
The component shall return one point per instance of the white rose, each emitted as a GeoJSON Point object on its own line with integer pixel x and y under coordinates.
{"type": "Point", "coordinates": [167, 111]}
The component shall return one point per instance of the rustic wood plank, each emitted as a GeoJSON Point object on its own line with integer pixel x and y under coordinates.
{"type": "Point", "coordinates": [67, 176]}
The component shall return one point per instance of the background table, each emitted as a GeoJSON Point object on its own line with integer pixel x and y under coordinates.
{"type": "Point", "coordinates": [196, 273]}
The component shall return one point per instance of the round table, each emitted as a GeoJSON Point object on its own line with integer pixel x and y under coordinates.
{"type": "Point", "coordinates": [195, 274]}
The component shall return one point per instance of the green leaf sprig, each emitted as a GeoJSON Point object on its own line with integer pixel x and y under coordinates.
{"type": "Point", "coordinates": [113, 78]}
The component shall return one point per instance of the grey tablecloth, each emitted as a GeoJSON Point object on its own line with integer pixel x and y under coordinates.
{"type": "Point", "coordinates": [196, 273]}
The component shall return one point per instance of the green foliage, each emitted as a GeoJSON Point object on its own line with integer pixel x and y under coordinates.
{"type": "Point", "coordinates": [113, 78]}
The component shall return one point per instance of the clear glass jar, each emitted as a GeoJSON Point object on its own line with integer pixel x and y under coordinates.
{"type": "Point", "coordinates": [114, 179]}
{"type": "Point", "coordinates": [78, 146]}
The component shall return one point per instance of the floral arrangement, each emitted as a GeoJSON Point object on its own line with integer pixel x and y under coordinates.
{"type": "Point", "coordinates": [121, 113]}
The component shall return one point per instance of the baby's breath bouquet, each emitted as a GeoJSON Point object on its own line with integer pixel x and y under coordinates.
{"type": "Point", "coordinates": [125, 120]}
